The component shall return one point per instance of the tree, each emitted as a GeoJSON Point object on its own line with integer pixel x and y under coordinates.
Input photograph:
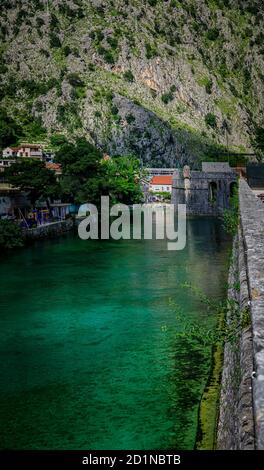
{"type": "Point", "coordinates": [32, 176]}
{"type": "Point", "coordinates": [123, 176]}
{"type": "Point", "coordinates": [10, 234]}
{"type": "Point", "coordinates": [258, 142]}
{"type": "Point", "coordinates": [86, 176]}
{"type": "Point", "coordinates": [80, 164]}
{"type": "Point", "coordinates": [210, 120]}
{"type": "Point", "coordinates": [9, 130]}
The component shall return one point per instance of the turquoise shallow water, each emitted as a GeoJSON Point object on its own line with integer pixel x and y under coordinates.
{"type": "Point", "coordinates": [89, 354]}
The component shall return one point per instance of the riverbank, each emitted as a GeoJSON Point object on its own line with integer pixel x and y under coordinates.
{"type": "Point", "coordinates": [50, 230]}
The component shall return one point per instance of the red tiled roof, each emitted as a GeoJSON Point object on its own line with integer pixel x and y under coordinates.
{"type": "Point", "coordinates": [28, 146]}
{"type": "Point", "coordinates": [164, 179]}
{"type": "Point", "coordinates": [53, 166]}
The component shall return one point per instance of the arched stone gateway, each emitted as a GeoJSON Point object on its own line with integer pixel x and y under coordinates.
{"type": "Point", "coordinates": [205, 192]}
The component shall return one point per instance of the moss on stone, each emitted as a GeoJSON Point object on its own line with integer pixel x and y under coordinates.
{"type": "Point", "coordinates": [209, 405]}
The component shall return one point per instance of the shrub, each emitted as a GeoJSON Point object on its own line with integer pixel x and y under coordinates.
{"type": "Point", "coordinates": [259, 39]}
{"type": "Point", "coordinates": [209, 86]}
{"type": "Point", "coordinates": [54, 22]}
{"type": "Point", "coordinates": [128, 75]}
{"type": "Point", "coordinates": [211, 120]}
{"type": "Point", "coordinates": [167, 97]}
{"type": "Point", "coordinates": [114, 110]}
{"type": "Point", "coordinates": [107, 55]}
{"type": "Point", "coordinates": [130, 118]}
{"type": "Point", "coordinates": [44, 52]}
{"type": "Point", "coordinates": [66, 51]}
{"type": "Point", "coordinates": [40, 22]}
{"type": "Point", "coordinates": [10, 235]}
{"type": "Point", "coordinates": [113, 42]}
{"type": "Point", "coordinates": [54, 40]}
{"type": "Point", "coordinates": [212, 34]}
{"type": "Point", "coordinates": [109, 58]}
{"type": "Point", "coordinates": [231, 215]}
{"type": "Point", "coordinates": [57, 140]}
{"type": "Point", "coordinates": [38, 88]}
{"type": "Point", "coordinates": [151, 50]}
{"type": "Point", "coordinates": [234, 90]}
{"type": "Point", "coordinates": [80, 92]}
{"type": "Point", "coordinates": [75, 80]}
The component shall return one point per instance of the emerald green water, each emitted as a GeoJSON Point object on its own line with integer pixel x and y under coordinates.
{"type": "Point", "coordinates": [89, 354]}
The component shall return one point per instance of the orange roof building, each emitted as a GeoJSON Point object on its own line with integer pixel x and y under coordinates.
{"type": "Point", "coordinates": [56, 167]}
{"type": "Point", "coordinates": [162, 183]}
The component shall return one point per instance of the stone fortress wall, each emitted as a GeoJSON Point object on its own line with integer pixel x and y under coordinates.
{"type": "Point", "coordinates": [205, 192]}
{"type": "Point", "coordinates": [241, 418]}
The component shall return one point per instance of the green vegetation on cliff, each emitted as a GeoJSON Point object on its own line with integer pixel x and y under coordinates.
{"type": "Point", "coordinates": [135, 78]}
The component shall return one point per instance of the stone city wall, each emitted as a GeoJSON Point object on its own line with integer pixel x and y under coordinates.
{"type": "Point", "coordinates": [241, 418]}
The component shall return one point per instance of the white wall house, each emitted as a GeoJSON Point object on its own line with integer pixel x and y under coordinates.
{"type": "Point", "coordinates": [161, 184]}
{"type": "Point", "coordinates": [24, 150]}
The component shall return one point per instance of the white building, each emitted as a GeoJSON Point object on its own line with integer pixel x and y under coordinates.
{"type": "Point", "coordinates": [161, 184]}
{"type": "Point", "coordinates": [24, 150]}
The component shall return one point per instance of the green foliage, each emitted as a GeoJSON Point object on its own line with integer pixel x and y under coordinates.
{"type": "Point", "coordinates": [54, 40]}
{"type": "Point", "coordinates": [258, 141]}
{"type": "Point", "coordinates": [9, 130]}
{"type": "Point", "coordinates": [75, 80]}
{"type": "Point", "coordinates": [66, 113]}
{"type": "Point", "coordinates": [45, 52]}
{"type": "Point", "coordinates": [212, 34]}
{"type": "Point", "coordinates": [229, 329]}
{"type": "Point", "coordinates": [167, 97]}
{"type": "Point", "coordinates": [151, 50]}
{"type": "Point", "coordinates": [38, 88]}
{"type": "Point", "coordinates": [209, 86]}
{"type": "Point", "coordinates": [57, 140]}
{"type": "Point", "coordinates": [107, 55]}
{"type": "Point", "coordinates": [31, 127]}
{"type": "Point", "coordinates": [130, 118]}
{"type": "Point", "coordinates": [210, 120]}
{"type": "Point", "coordinates": [122, 176]}
{"type": "Point", "coordinates": [231, 215]}
{"type": "Point", "coordinates": [32, 176]}
{"type": "Point", "coordinates": [114, 110]}
{"type": "Point", "coordinates": [113, 42]}
{"type": "Point", "coordinates": [128, 75]}
{"type": "Point", "coordinates": [67, 50]}
{"type": "Point", "coordinates": [40, 22]}
{"type": "Point", "coordinates": [80, 167]}
{"type": "Point", "coordinates": [85, 176]}
{"type": "Point", "coordinates": [54, 22]}
{"type": "Point", "coordinates": [166, 195]}
{"type": "Point", "coordinates": [10, 235]}
{"type": "Point", "coordinates": [21, 15]}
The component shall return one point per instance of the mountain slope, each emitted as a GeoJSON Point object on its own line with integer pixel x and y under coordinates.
{"type": "Point", "coordinates": [169, 81]}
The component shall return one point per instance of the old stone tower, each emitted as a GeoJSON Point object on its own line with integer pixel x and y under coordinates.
{"type": "Point", "coordinates": [205, 192]}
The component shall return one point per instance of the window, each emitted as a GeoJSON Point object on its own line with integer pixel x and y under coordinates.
{"type": "Point", "coordinates": [212, 192]}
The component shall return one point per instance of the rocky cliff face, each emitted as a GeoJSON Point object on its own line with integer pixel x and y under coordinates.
{"type": "Point", "coordinates": [170, 81]}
